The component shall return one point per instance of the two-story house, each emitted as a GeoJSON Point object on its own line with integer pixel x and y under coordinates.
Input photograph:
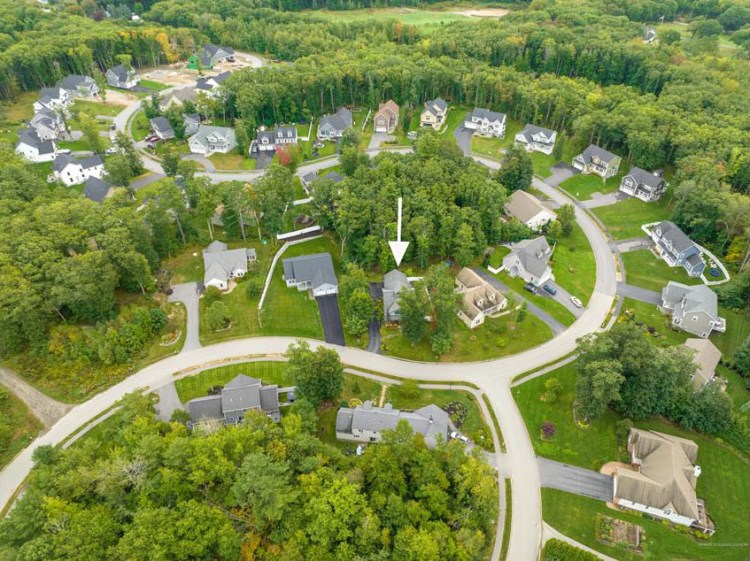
{"type": "Point", "coordinates": [433, 114]}
{"type": "Point", "coordinates": [536, 139]}
{"type": "Point", "coordinates": [693, 308]}
{"type": "Point", "coordinates": [122, 77]}
{"type": "Point", "coordinates": [529, 260]}
{"type": "Point", "coordinates": [209, 140]}
{"type": "Point", "coordinates": [233, 402]}
{"type": "Point", "coordinates": [74, 171]}
{"type": "Point", "coordinates": [34, 149]}
{"type": "Point", "coordinates": [676, 248]}
{"type": "Point", "coordinates": [486, 123]}
{"type": "Point", "coordinates": [386, 119]}
{"type": "Point", "coordinates": [479, 299]}
{"type": "Point", "coordinates": [79, 86]}
{"type": "Point", "coordinates": [271, 139]}
{"type": "Point", "coordinates": [597, 161]}
{"type": "Point", "coordinates": [333, 126]}
{"type": "Point", "coordinates": [209, 56]}
{"type": "Point", "coordinates": [54, 99]}
{"type": "Point", "coordinates": [644, 185]}
{"type": "Point", "coordinates": [162, 128]}
{"type": "Point", "coordinates": [529, 210]}
{"type": "Point", "coordinates": [211, 85]}
{"type": "Point", "coordinates": [48, 124]}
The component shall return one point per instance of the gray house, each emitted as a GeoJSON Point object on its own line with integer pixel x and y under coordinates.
{"type": "Point", "coordinates": [393, 283]}
{"type": "Point", "coordinates": [232, 403]}
{"type": "Point", "coordinates": [222, 264]}
{"type": "Point", "coordinates": [48, 124]}
{"type": "Point", "coordinates": [694, 308]}
{"type": "Point", "coordinates": [121, 77]}
{"type": "Point", "coordinates": [271, 139]}
{"type": "Point", "coordinates": [208, 140]}
{"type": "Point", "coordinates": [311, 272]}
{"type": "Point", "coordinates": [366, 423]}
{"type": "Point", "coordinates": [192, 122]}
{"type": "Point", "coordinates": [673, 245]}
{"type": "Point", "coordinates": [79, 86]}
{"type": "Point", "coordinates": [529, 259]}
{"type": "Point", "coordinates": [644, 185]}
{"type": "Point", "coordinates": [162, 128]}
{"type": "Point", "coordinates": [333, 126]}
{"type": "Point", "coordinates": [597, 161]}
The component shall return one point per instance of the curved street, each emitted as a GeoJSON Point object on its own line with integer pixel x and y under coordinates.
{"type": "Point", "coordinates": [494, 377]}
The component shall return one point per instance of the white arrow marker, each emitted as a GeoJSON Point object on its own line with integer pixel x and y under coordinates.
{"type": "Point", "coordinates": [398, 247]}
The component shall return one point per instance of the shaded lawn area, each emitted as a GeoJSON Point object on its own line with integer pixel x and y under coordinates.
{"type": "Point", "coordinates": [233, 160]}
{"type": "Point", "coordinates": [624, 219]}
{"type": "Point", "coordinates": [644, 269]}
{"type": "Point", "coordinates": [153, 85]}
{"type": "Point", "coordinates": [94, 108]}
{"type": "Point", "coordinates": [496, 259]}
{"type": "Point", "coordinates": [354, 387]}
{"type": "Point", "coordinates": [582, 186]}
{"type": "Point", "coordinates": [152, 190]}
{"type": "Point", "coordinates": [546, 303]}
{"type": "Point", "coordinates": [140, 126]}
{"type": "Point", "coordinates": [650, 316]}
{"type": "Point", "coordinates": [186, 266]}
{"type": "Point", "coordinates": [18, 425]}
{"type": "Point", "coordinates": [574, 265]}
{"type": "Point", "coordinates": [737, 391]}
{"type": "Point", "coordinates": [738, 329]}
{"type": "Point", "coordinates": [495, 338]}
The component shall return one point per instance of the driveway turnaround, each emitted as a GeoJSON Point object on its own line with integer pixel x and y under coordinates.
{"type": "Point", "coordinates": [640, 294]}
{"type": "Point", "coordinates": [331, 318]}
{"type": "Point", "coordinates": [560, 172]}
{"type": "Point", "coordinates": [576, 480]}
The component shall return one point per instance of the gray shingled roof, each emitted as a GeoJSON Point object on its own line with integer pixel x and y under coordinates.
{"type": "Point", "coordinates": [533, 254]}
{"type": "Point", "coordinates": [643, 177]}
{"type": "Point", "coordinates": [30, 137]}
{"type": "Point", "coordinates": [75, 81]}
{"type": "Point", "coordinates": [120, 72]}
{"type": "Point", "coordinates": [594, 151]}
{"type": "Point", "coordinates": [529, 130]}
{"type": "Point", "coordinates": [63, 160]}
{"type": "Point", "coordinates": [334, 176]}
{"type": "Point", "coordinates": [208, 407]}
{"type": "Point", "coordinates": [340, 121]}
{"type": "Point", "coordinates": [161, 124]}
{"type": "Point", "coordinates": [429, 421]}
{"type": "Point", "coordinates": [316, 269]}
{"type": "Point", "coordinates": [670, 231]}
{"type": "Point", "coordinates": [220, 262]}
{"type": "Point", "coordinates": [240, 394]}
{"type": "Point", "coordinates": [96, 189]}
{"type": "Point", "coordinates": [205, 131]}
{"type": "Point", "coordinates": [479, 113]}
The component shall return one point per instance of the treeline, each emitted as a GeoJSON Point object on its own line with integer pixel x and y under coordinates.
{"type": "Point", "coordinates": [151, 490]}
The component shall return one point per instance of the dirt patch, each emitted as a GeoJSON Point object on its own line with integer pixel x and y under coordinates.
{"type": "Point", "coordinates": [115, 97]}
{"type": "Point", "coordinates": [178, 74]}
{"type": "Point", "coordinates": [482, 13]}
{"type": "Point", "coordinates": [615, 532]}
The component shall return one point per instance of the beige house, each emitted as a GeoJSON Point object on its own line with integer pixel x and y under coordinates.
{"type": "Point", "coordinates": [433, 115]}
{"type": "Point", "coordinates": [706, 357]}
{"type": "Point", "coordinates": [386, 119]}
{"type": "Point", "coordinates": [479, 298]}
{"type": "Point", "coordinates": [662, 480]}
{"type": "Point", "coordinates": [529, 210]}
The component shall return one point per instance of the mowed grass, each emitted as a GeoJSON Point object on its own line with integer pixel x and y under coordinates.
{"type": "Point", "coordinates": [624, 219]}
{"type": "Point", "coordinates": [650, 316]}
{"type": "Point", "coordinates": [738, 329]}
{"type": "Point", "coordinates": [427, 21]}
{"type": "Point", "coordinates": [574, 266]}
{"type": "Point", "coordinates": [644, 269]}
{"type": "Point", "coordinates": [18, 424]}
{"type": "Point", "coordinates": [233, 160]}
{"type": "Point", "coordinates": [582, 186]}
{"type": "Point", "coordinates": [153, 85]}
{"type": "Point", "coordinates": [270, 372]}
{"type": "Point", "coordinates": [492, 147]}
{"type": "Point", "coordinates": [140, 126]}
{"type": "Point", "coordinates": [545, 302]}
{"type": "Point", "coordinates": [22, 108]}
{"type": "Point", "coordinates": [94, 108]}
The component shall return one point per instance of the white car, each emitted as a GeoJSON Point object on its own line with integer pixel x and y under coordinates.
{"type": "Point", "coordinates": [576, 302]}
{"type": "Point", "coordinates": [458, 436]}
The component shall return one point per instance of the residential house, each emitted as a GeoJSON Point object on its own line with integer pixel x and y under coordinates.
{"type": "Point", "coordinates": [694, 308]}
{"type": "Point", "coordinates": [311, 272]}
{"type": "Point", "coordinates": [272, 139]}
{"type": "Point", "coordinates": [178, 97]}
{"type": "Point", "coordinates": [536, 139]}
{"type": "Point", "coordinates": [333, 126]}
{"type": "Point", "coordinates": [706, 357]}
{"type": "Point", "coordinates": [597, 161]}
{"type": "Point", "coordinates": [529, 210]}
{"type": "Point", "coordinates": [479, 298]}
{"type": "Point", "coordinates": [55, 99]}
{"type": "Point", "coordinates": [209, 56]}
{"type": "Point", "coordinates": [644, 185]}
{"type": "Point", "coordinates": [311, 177]}
{"type": "Point", "coordinates": [236, 398]}
{"type": "Point", "coordinates": [209, 140]}
{"type": "Point", "coordinates": [529, 260]}
{"type": "Point", "coordinates": [33, 148]}
{"type": "Point", "coordinates": [386, 119]}
{"type": "Point", "coordinates": [48, 124]}
{"type": "Point", "coordinates": [486, 123]}
{"type": "Point", "coordinates": [367, 422]}
{"type": "Point", "coordinates": [192, 122]}
{"type": "Point", "coordinates": [433, 114]}
{"type": "Point", "coordinates": [662, 479]}
{"type": "Point", "coordinates": [74, 171]}
{"type": "Point", "coordinates": [394, 282]}
{"type": "Point", "coordinates": [676, 249]}
{"type": "Point", "coordinates": [161, 128]}
{"type": "Point", "coordinates": [79, 86]}
{"type": "Point", "coordinates": [220, 265]}
{"type": "Point", "coordinates": [122, 77]}
{"type": "Point", "coordinates": [96, 189]}
{"type": "Point", "coordinates": [210, 85]}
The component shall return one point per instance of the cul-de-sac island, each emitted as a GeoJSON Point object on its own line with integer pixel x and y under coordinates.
{"type": "Point", "coordinates": [374, 281]}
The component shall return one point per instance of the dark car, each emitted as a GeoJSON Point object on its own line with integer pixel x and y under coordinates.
{"type": "Point", "coordinates": [530, 287]}
{"type": "Point", "coordinates": [551, 289]}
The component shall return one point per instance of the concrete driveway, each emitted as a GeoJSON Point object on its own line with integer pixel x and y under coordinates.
{"type": "Point", "coordinates": [378, 138]}
{"type": "Point", "coordinates": [331, 318]}
{"type": "Point", "coordinates": [572, 479]}
{"type": "Point", "coordinates": [188, 294]}
{"type": "Point", "coordinates": [560, 172]}
{"type": "Point", "coordinates": [207, 164]}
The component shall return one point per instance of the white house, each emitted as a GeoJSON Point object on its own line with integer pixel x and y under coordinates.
{"type": "Point", "coordinates": [209, 140]}
{"type": "Point", "coordinates": [48, 124]}
{"type": "Point", "coordinates": [79, 86]}
{"type": "Point", "coordinates": [529, 259]}
{"type": "Point", "coordinates": [121, 77]}
{"type": "Point", "coordinates": [597, 161]}
{"type": "Point", "coordinates": [529, 210]}
{"type": "Point", "coordinates": [536, 139]}
{"type": "Point", "coordinates": [486, 123]}
{"type": "Point", "coordinates": [72, 171]}
{"type": "Point", "coordinates": [54, 99]}
{"type": "Point", "coordinates": [33, 148]}
{"type": "Point", "coordinates": [311, 272]}
{"type": "Point", "coordinates": [222, 265]}
{"type": "Point", "coordinates": [333, 126]}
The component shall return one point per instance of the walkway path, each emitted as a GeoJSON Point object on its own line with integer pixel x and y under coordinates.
{"type": "Point", "coordinates": [44, 408]}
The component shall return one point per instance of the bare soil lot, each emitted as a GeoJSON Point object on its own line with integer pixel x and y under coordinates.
{"type": "Point", "coordinates": [177, 74]}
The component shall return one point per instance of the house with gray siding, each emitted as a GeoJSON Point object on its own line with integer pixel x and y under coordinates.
{"type": "Point", "coordinates": [693, 308]}
{"type": "Point", "coordinates": [597, 161]}
{"type": "Point", "coordinates": [234, 400]}
{"type": "Point", "coordinates": [643, 184]}
{"type": "Point", "coordinates": [394, 282]}
{"type": "Point", "coordinates": [333, 126]}
{"type": "Point", "coordinates": [311, 272]}
{"type": "Point", "coordinates": [676, 248]}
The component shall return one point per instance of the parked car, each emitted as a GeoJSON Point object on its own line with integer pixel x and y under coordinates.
{"type": "Point", "coordinates": [530, 287]}
{"type": "Point", "coordinates": [458, 436]}
{"type": "Point", "coordinates": [551, 289]}
{"type": "Point", "coordinates": [576, 302]}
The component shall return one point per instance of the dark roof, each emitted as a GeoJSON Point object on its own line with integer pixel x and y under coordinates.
{"type": "Point", "coordinates": [440, 103]}
{"type": "Point", "coordinates": [48, 94]}
{"type": "Point", "coordinates": [96, 189]}
{"type": "Point", "coordinates": [219, 78]}
{"type": "Point", "coordinates": [120, 72]}
{"type": "Point", "coordinates": [594, 151]}
{"type": "Point", "coordinates": [341, 120]}
{"type": "Point", "coordinates": [480, 113]}
{"type": "Point", "coordinates": [240, 394]}
{"type": "Point", "coordinates": [334, 176]}
{"type": "Point", "coordinates": [670, 231]}
{"type": "Point", "coordinates": [208, 407]}
{"type": "Point", "coordinates": [161, 124]}
{"type": "Point", "coordinates": [75, 81]}
{"type": "Point", "coordinates": [213, 49]}
{"type": "Point", "coordinates": [316, 269]}
{"type": "Point", "coordinates": [530, 130]}
{"type": "Point", "coordinates": [89, 162]}
{"type": "Point", "coordinates": [643, 177]}
{"type": "Point", "coordinates": [30, 137]}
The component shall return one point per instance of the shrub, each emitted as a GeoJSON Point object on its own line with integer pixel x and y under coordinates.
{"type": "Point", "coordinates": [211, 295]}
{"type": "Point", "coordinates": [217, 316]}
{"type": "Point", "coordinates": [254, 287]}
{"type": "Point", "coordinates": [409, 389]}
{"type": "Point", "coordinates": [549, 430]}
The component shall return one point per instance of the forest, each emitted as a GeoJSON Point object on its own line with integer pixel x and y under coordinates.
{"type": "Point", "coordinates": [146, 490]}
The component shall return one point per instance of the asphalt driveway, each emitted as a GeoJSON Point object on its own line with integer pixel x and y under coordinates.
{"type": "Point", "coordinates": [560, 172]}
{"type": "Point", "coordinates": [463, 139]}
{"type": "Point", "coordinates": [640, 294]}
{"type": "Point", "coordinates": [331, 318]}
{"type": "Point", "coordinates": [187, 293]}
{"type": "Point", "coordinates": [576, 480]}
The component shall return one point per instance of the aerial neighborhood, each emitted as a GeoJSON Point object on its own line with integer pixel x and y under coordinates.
{"type": "Point", "coordinates": [315, 281]}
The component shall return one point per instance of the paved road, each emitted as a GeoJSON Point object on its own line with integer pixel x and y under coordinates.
{"type": "Point", "coordinates": [331, 318]}
{"type": "Point", "coordinates": [577, 480]}
{"type": "Point", "coordinates": [188, 294]}
{"type": "Point", "coordinates": [640, 294]}
{"type": "Point", "coordinates": [563, 297]}
{"type": "Point", "coordinates": [44, 408]}
{"type": "Point", "coordinates": [142, 182]}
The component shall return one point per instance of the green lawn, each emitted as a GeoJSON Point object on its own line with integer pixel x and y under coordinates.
{"type": "Point", "coordinates": [152, 85]}
{"type": "Point", "coordinates": [492, 146]}
{"type": "Point", "coordinates": [650, 316]}
{"type": "Point", "coordinates": [582, 186]}
{"type": "Point", "coordinates": [186, 266]}
{"type": "Point", "coordinates": [140, 126]}
{"type": "Point", "coordinates": [624, 219]}
{"type": "Point", "coordinates": [22, 109]}
{"type": "Point", "coordinates": [95, 108]}
{"type": "Point", "coordinates": [552, 307]}
{"type": "Point", "coordinates": [496, 259]}
{"type": "Point", "coordinates": [75, 145]}
{"type": "Point", "coordinates": [738, 329]}
{"type": "Point", "coordinates": [151, 190]}
{"type": "Point", "coordinates": [644, 269]}
{"type": "Point", "coordinates": [736, 389]}
{"type": "Point", "coordinates": [454, 118]}
{"type": "Point", "coordinates": [18, 425]}
{"type": "Point", "coordinates": [427, 21]}
{"type": "Point", "coordinates": [232, 161]}
{"type": "Point", "coordinates": [495, 338]}
{"type": "Point", "coordinates": [269, 372]}
{"type": "Point", "coordinates": [574, 265]}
